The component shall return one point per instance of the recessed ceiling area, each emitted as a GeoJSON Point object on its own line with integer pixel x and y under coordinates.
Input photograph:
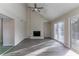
{"type": "Point", "coordinates": [54, 10]}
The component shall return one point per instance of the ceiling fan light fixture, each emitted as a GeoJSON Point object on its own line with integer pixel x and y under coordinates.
{"type": "Point", "coordinates": [35, 8]}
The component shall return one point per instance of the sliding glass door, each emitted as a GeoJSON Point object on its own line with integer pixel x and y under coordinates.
{"type": "Point", "coordinates": [75, 33]}
{"type": "Point", "coordinates": [59, 31]}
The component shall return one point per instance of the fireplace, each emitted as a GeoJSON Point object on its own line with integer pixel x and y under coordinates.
{"type": "Point", "coordinates": [36, 33]}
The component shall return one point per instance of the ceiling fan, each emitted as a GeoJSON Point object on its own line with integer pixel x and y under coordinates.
{"type": "Point", "coordinates": [35, 8]}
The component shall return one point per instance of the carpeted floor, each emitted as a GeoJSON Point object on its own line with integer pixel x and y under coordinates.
{"type": "Point", "coordinates": [3, 48]}
{"type": "Point", "coordinates": [39, 47]}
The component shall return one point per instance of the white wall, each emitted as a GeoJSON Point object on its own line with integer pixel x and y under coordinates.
{"type": "Point", "coordinates": [35, 23]}
{"type": "Point", "coordinates": [18, 12]}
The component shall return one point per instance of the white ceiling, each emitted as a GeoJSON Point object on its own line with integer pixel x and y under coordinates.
{"type": "Point", "coordinates": [53, 10]}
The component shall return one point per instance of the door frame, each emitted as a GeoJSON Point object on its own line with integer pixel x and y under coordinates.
{"type": "Point", "coordinates": [2, 31]}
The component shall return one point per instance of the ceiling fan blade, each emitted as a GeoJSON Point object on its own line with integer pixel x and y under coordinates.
{"type": "Point", "coordinates": [38, 10]}
{"type": "Point", "coordinates": [40, 7]}
{"type": "Point", "coordinates": [33, 10]}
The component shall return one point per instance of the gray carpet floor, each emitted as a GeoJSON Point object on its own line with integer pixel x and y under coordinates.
{"type": "Point", "coordinates": [3, 48]}
{"type": "Point", "coordinates": [34, 47]}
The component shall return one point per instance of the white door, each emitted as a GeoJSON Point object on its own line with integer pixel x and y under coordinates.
{"type": "Point", "coordinates": [8, 32]}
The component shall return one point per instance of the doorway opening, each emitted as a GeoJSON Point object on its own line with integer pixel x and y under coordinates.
{"type": "Point", "coordinates": [47, 30]}
{"type": "Point", "coordinates": [6, 33]}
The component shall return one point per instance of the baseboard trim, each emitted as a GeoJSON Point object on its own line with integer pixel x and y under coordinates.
{"type": "Point", "coordinates": [47, 38]}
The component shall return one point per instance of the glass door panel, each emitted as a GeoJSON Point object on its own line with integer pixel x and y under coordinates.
{"type": "Point", "coordinates": [59, 31]}
{"type": "Point", "coordinates": [75, 34]}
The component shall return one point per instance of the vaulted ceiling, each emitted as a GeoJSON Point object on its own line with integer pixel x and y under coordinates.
{"type": "Point", "coordinates": [53, 10]}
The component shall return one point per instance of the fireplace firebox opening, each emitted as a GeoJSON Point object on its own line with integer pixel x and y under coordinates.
{"type": "Point", "coordinates": [36, 33]}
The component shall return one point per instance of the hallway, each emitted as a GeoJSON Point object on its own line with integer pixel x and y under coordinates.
{"type": "Point", "coordinates": [46, 47]}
